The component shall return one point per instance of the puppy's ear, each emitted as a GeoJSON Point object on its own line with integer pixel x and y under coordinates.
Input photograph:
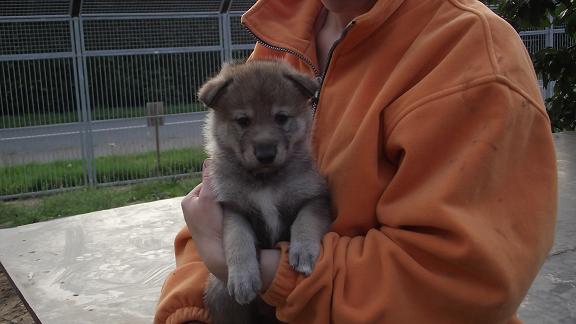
{"type": "Point", "coordinates": [212, 91]}
{"type": "Point", "coordinates": [304, 84]}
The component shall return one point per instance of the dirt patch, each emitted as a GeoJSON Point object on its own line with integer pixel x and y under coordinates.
{"type": "Point", "coordinates": [12, 310]}
{"type": "Point", "coordinates": [28, 202]}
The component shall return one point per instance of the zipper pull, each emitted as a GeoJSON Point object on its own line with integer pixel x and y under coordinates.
{"type": "Point", "coordinates": [316, 95]}
{"type": "Point", "coordinates": [314, 100]}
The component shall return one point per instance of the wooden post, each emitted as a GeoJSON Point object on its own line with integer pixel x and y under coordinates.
{"type": "Point", "coordinates": [155, 112]}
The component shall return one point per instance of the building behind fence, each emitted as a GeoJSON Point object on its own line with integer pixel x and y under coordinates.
{"type": "Point", "coordinates": [99, 92]}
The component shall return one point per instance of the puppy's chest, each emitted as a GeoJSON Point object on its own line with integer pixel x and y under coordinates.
{"type": "Point", "coordinates": [270, 216]}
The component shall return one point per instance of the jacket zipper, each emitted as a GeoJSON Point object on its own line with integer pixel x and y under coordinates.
{"type": "Point", "coordinates": [282, 49]}
{"type": "Point", "coordinates": [319, 77]}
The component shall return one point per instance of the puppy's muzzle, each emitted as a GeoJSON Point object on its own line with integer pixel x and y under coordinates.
{"type": "Point", "coordinates": [265, 154]}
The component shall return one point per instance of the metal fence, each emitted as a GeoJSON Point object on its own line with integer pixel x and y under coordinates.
{"type": "Point", "coordinates": [538, 39]}
{"type": "Point", "coordinates": [99, 92]}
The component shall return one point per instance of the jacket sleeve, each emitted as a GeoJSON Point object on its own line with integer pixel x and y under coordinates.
{"type": "Point", "coordinates": [461, 234]}
{"type": "Point", "coordinates": [181, 296]}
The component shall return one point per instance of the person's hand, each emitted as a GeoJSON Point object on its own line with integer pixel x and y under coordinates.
{"type": "Point", "coordinates": [203, 216]}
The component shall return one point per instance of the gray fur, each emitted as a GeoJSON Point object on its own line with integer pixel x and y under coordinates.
{"type": "Point", "coordinates": [241, 257]}
{"type": "Point", "coordinates": [263, 176]}
{"type": "Point", "coordinates": [220, 304]}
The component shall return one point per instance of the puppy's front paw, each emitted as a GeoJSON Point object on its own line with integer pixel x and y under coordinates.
{"type": "Point", "coordinates": [244, 283]}
{"type": "Point", "coordinates": [302, 256]}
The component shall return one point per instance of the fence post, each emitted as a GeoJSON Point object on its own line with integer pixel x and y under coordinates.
{"type": "Point", "coordinates": [549, 42]}
{"type": "Point", "coordinates": [225, 37]}
{"type": "Point", "coordinates": [83, 105]}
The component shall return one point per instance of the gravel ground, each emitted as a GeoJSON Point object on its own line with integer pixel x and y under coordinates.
{"type": "Point", "coordinates": [12, 310]}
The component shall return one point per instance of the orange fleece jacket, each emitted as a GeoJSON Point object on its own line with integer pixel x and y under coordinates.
{"type": "Point", "coordinates": [433, 136]}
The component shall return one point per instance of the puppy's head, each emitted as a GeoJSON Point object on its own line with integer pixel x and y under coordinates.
{"type": "Point", "coordinates": [260, 111]}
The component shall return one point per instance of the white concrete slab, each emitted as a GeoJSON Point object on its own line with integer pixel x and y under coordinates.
{"type": "Point", "coordinates": [101, 267]}
{"type": "Point", "coordinates": [109, 266]}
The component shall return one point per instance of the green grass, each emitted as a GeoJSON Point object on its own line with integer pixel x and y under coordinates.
{"type": "Point", "coordinates": [100, 113]}
{"type": "Point", "coordinates": [34, 177]}
{"type": "Point", "coordinates": [26, 211]}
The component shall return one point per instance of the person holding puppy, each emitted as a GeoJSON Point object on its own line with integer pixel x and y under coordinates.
{"type": "Point", "coordinates": [434, 140]}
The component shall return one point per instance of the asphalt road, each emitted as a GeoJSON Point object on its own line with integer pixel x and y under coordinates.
{"type": "Point", "coordinates": [121, 136]}
{"type": "Point", "coordinates": [552, 297]}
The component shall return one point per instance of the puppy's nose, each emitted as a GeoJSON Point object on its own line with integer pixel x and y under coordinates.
{"type": "Point", "coordinates": [265, 153]}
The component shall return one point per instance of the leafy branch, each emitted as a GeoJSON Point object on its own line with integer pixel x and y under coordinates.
{"type": "Point", "coordinates": [555, 65]}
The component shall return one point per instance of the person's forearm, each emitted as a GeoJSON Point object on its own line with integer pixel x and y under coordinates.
{"type": "Point", "coordinates": [214, 260]}
{"type": "Point", "coordinates": [269, 260]}
{"type": "Point", "coordinates": [212, 254]}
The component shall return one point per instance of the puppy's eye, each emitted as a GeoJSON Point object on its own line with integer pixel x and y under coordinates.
{"type": "Point", "coordinates": [243, 121]}
{"type": "Point", "coordinates": [281, 118]}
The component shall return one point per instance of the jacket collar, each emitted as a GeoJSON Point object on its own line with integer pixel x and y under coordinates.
{"type": "Point", "coordinates": [290, 24]}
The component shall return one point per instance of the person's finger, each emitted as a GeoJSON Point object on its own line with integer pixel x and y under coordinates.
{"type": "Point", "coordinates": [190, 197]}
{"type": "Point", "coordinates": [207, 191]}
{"type": "Point", "coordinates": [194, 193]}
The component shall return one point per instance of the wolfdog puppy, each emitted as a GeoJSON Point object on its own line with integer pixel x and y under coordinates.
{"type": "Point", "coordinates": [258, 136]}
